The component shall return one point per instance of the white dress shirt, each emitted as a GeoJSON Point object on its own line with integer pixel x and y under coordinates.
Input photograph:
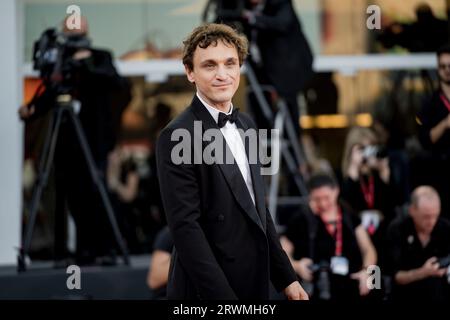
{"type": "Point", "coordinates": [235, 143]}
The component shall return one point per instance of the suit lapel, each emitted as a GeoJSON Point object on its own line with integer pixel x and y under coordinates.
{"type": "Point", "coordinates": [231, 172]}
{"type": "Point", "coordinates": [258, 183]}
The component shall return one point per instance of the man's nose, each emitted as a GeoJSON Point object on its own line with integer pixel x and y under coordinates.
{"type": "Point", "coordinates": [221, 73]}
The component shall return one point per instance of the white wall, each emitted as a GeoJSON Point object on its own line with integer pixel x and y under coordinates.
{"type": "Point", "coordinates": [11, 129]}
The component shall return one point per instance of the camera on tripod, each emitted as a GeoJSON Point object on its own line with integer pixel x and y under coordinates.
{"type": "Point", "coordinates": [53, 57]}
{"type": "Point", "coordinates": [59, 57]}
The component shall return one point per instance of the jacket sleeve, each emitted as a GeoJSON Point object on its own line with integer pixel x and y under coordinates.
{"type": "Point", "coordinates": [180, 196]}
{"type": "Point", "coordinates": [281, 272]}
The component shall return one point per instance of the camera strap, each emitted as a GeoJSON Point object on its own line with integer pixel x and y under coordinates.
{"type": "Point", "coordinates": [338, 250]}
{"type": "Point", "coordinates": [368, 190]}
{"type": "Point", "coordinates": [445, 101]}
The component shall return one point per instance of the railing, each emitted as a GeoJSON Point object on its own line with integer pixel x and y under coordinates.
{"type": "Point", "coordinates": [157, 70]}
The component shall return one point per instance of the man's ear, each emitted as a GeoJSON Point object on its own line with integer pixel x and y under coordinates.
{"type": "Point", "coordinates": [189, 74]}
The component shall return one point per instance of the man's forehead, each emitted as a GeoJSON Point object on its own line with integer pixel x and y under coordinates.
{"type": "Point", "coordinates": [216, 52]}
{"type": "Point", "coordinates": [427, 206]}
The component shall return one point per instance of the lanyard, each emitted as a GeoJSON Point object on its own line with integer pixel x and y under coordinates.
{"type": "Point", "coordinates": [338, 235]}
{"type": "Point", "coordinates": [368, 191]}
{"type": "Point", "coordinates": [445, 101]}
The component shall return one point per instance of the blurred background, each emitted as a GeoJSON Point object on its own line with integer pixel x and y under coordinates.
{"type": "Point", "coordinates": [370, 78]}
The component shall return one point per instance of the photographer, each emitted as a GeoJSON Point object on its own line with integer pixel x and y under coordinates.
{"type": "Point", "coordinates": [367, 186]}
{"type": "Point", "coordinates": [426, 34]}
{"type": "Point", "coordinates": [100, 94]}
{"type": "Point", "coordinates": [417, 245]}
{"type": "Point", "coordinates": [331, 247]}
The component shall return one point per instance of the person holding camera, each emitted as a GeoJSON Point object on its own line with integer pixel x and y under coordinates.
{"type": "Point", "coordinates": [367, 184]}
{"type": "Point", "coordinates": [419, 250]}
{"type": "Point", "coordinates": [99, 94]}
{"type": "Point", "coordinates": [331, 248]}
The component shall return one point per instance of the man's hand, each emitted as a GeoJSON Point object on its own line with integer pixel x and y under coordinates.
{"type": "Point", "coordinates": [82, 54]}
{"type": "Point", "coordinates": [294, 291]}
{"type": "Point", "coordinates": [431, 268]}
{"type": "Point", "coordinates": [362, 277]}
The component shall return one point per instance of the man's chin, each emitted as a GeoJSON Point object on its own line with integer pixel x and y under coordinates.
{"type": "Point", "coordinates": [222, 98]}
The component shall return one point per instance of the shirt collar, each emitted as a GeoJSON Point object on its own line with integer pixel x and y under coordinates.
{"type": "Point", "coordinates": [213, 111]}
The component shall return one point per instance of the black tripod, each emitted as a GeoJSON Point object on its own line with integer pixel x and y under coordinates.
{"type": "Point", "coordinates": [65, 106]}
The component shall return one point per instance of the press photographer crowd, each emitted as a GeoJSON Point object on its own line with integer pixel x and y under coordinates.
{"type": "Point", "coordinates": [369, 223]}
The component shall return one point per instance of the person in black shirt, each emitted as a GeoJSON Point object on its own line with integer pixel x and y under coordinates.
{"type": "Point", "coordinates": [434, 122]}
{"type": "Point", "coordinates": [416, 243]}
{"type": "Point", "coordinates": [368, 186]}
{"type": "Point", "coordinates": [326, 233]}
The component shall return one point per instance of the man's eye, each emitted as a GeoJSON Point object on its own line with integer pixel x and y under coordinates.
{"type": "Point", "coordinates": [209, 66]}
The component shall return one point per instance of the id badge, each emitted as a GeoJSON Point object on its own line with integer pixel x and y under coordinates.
{"type": "Point", "coordinates": [339, 265]}
{"type": "Point", "coordinates": [371, 219]}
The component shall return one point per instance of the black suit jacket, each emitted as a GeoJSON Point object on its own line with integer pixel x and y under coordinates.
{"type": "Point", "coordinates": [225, 246]}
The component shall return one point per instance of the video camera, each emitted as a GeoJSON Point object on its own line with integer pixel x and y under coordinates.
{"type": "Point", "coordinates": [52, 57]}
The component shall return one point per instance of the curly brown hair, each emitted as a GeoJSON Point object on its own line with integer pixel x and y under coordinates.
{"type": "Point", "coordinates": [210, 33]}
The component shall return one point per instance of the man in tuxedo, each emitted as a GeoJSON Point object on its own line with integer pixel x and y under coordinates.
{"type": "Point", "coordinates": [226, 246]}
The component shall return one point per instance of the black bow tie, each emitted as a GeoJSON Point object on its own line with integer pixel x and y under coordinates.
{"type": "Point", "coordinates": [223, 118]}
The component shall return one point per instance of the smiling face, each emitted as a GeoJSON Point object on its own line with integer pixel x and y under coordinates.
{"type": "Point", "coordinates": [216, 74]}
{"type": "Point", "coordinates": [323, 199]}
